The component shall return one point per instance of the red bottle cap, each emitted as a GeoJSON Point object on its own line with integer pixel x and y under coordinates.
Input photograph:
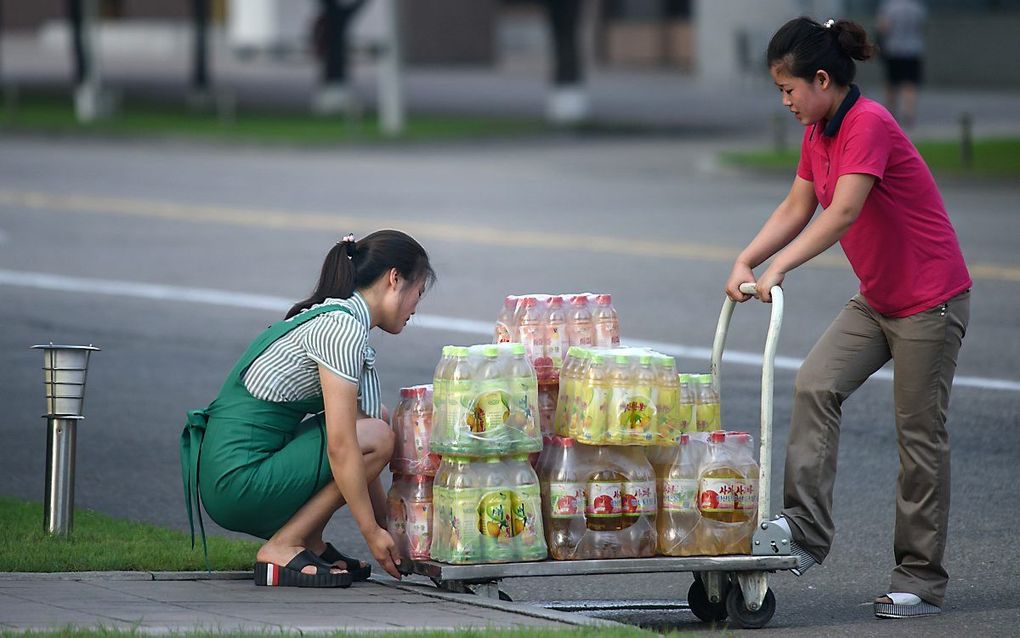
{"type": "Point", "coordinates": [604, 300]}
{"type": "Point", "coordinates": [685, 439]}
{"type": "Point", "coordinates": [567, 441]}
{"type": "Point", "coordinates": [529, 302]}
{"type": "Point", "coordinates": [556, 301]}
{"type": "Point", "coordinates": [579, 300]}
{"type": "Point", "coordinates": [717, 437]}
{"type": "Point", "coordinates": [406, 393]}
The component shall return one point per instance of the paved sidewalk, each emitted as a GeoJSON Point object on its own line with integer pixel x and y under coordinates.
{"type": "Point", "coordinates": [162, 602]}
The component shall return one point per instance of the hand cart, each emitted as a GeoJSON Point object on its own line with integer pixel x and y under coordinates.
{"type": "Point", "coordinates": [734, 587]}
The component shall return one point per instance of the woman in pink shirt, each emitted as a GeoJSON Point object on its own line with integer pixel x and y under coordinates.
{"type": "Point", "coordinates": [878, 200]}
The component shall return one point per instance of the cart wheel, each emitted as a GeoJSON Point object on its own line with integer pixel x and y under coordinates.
{"type": "Point", "coordinates": [703, 608]}
{"type": "Point", "coordinates": [505, 596]}
{"type": "Point", "coordinates": [743, 618]}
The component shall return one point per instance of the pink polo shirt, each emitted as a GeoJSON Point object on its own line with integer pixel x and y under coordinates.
{"type": "Point", "coordinates": [902, 246]}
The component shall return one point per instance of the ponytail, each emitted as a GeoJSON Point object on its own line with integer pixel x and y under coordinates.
{"type": "Point", "coordinates": [803, 47]}
{"type": "Point", "coordinates": [351, 265]}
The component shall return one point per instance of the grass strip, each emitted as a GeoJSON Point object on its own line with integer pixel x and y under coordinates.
{"type": "Point", "coordinates": [101, 543]}
{"type": "Point", "coordinates": [55, 115]}
{"type": "Point", "coordinates": [992, 157]}
{"type": "Point", "coordinates": [524, 632]}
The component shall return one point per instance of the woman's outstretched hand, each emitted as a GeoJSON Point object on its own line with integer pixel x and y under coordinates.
{"type": "Point", "coordinates": [741, 274]}
{"type": "Point", "coordinates": [384, 550]}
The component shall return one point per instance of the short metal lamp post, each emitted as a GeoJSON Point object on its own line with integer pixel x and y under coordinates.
{"type": "Point", "coordinates": [64, 370]}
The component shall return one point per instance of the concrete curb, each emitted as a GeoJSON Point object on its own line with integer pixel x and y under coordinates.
{"type": "Point", "coordinates": [522, 609]}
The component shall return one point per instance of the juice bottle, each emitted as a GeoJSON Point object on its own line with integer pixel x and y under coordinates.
{"type": "Point", "coordinates": [440, 382]}
{"type": "Point", "coordinates": [525, 434]}
{"type": "Point", "coordinates": [396, 515]}
{"type": "Point", "coordinates": [642, 411]}
{"type": "Point", "coordinates": [489, 418]}
{"type": "Point", "coordinates": [639, 501]}
{"type": "Point", "coordinates": [594, 400]}
{"type": "Point", "coordinates": [441, 514]}
{"type": "Point", "coordinates": [667, 402]}
{"type": "Point", "coordinates": [564, 400]}
{"type": "Point", "coordinates": [419, 416]}
{"type": "Point", "coordinates": [619, 380]}
{"type": "Point", "coordinates": [548, 395]}
{"type": "Point", "coordinates": [563, 498]}
{"type": "Point", "coordinates": [526, 511]}
{"type": "Point", "coordinates": [746, 492]}
{"type": "Point", "coordinates": [463, 494]}
{"type": "Point", "coordinates": [603, 511]}
{"type": "Point", "coordinates": [530, 328]}
{"type": "Point", "coordinates": [686, 414]}
{"type": "Point", "coordinates": [577, 397]}
{"type": "Point", "coordinates": [556, 339]}
{"type": "Point", "coordinates": [419, 512]}
{"type": "Point", "coordinates": [606, 322]}
{"type": "Point", "coordinates": [459, 383]}
{"type": "Point", "coordinates": [580, 327]}
{"type": "Point", "coordinates": [678, 509]}
{"type": "Point", "coordinates": [707, 404]}
{"type": "Point", "coordinates": [494, 514]}
{"type": "Point", "coordinates": [399, 462]}
{"type": "Point", "coordinates": [505, 321]}
{"type": "Point", "coordinates": [718, 484]}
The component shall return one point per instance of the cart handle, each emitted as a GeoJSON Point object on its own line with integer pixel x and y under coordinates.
{"type": "Point", "coordinates": [767, 383]}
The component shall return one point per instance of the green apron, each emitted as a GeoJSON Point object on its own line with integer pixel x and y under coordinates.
{"type": "Point", "coordinates": [261, 460]}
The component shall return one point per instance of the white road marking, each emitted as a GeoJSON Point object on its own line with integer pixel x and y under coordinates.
{"type": "Point", "coordinates": [161, 292]}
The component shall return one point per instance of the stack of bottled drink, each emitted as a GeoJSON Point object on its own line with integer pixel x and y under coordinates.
{"type": "Point", "coordinates": [598, 501]}
{"type": "Point", "coordinates": [708, 495]}
{"type": "Point", "coordinates": [485, 423]}
{"type": "Point", "coordinates": [624, 396]}
{"type": "Point", "coordinates": [549, 324]}
{"type": "Point", "coordinates": [409, 511]}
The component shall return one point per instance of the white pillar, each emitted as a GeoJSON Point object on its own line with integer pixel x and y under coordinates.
{"type": "Point", "coordinates": [391, 89]}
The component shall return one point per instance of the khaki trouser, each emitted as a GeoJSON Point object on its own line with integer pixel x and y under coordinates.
{"type": "Point", "coordinates": [923, 348]}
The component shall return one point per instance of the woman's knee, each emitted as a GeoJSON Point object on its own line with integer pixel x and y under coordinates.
{"type": "Point", "coordinates": [376, 437]}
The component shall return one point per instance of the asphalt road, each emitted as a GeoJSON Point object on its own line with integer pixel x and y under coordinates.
{"type": "Point", "coordinates": [172, 257]}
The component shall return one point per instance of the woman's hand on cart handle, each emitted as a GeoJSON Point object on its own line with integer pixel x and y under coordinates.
{"type": "Point", "coordinates": [769, 279]}
{"type": "Point", "coordinates": [739, 277]}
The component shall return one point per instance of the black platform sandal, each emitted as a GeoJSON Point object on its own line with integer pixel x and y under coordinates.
{"type": "Point", "coordinates": [290, 575]}
{"type": "Point", "coordinates": [331, 555]}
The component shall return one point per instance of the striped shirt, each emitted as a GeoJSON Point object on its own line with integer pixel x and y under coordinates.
{"type": "Point", "coordinates": [288, 370]}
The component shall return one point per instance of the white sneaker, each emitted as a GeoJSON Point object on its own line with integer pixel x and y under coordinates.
{"type": "Point", "coordinates": [568, 105]}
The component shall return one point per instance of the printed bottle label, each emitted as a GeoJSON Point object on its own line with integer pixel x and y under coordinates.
{"type": "Point", "coordinates": [679, 495]}
{"type": "Point", "coordinates": [722, 494]}
{"type": "Point", "coordinates": [566, 500]}
{"type": "Point", "coordinates": [604, 499]}
{"type": "Point", "coordinates": [638, 498]}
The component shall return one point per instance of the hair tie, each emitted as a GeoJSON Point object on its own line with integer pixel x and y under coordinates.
{"type": "Point", "coordinates": [349, 240]}
{"type": "Point", "coordinates": [828, 23]}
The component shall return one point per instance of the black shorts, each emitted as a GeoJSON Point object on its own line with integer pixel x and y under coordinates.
{"type": "Point", "coordinates": [903, 71]}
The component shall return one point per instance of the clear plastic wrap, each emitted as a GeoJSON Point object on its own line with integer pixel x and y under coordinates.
{"type": "Point", "coordinates": [409, 515]}
{"type": "Point", "coordinates": [598, 502]}
{"type": "Point", "coordinates": [623, 396]}
{"type": "Point", "coordinates": [547, 325]}
{"type": "Point", "coordinates": [487, 511]}
{"type": "Point", "coordinates": [485, 402]}
{"type": "Point", "coordinates": [412, 427]}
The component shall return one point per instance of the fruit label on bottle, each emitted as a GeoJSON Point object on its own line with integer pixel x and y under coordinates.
{"type": "Point", "coordinates": [638, 498]}
{"type": "Point", "coordinates": [745, 494]}
{"type": "Point", "coordinates": [557, 342]}
{"type": "Point", "coordinates": [566, 500]}
{"type": "Point", "coordinates": [419, 528]}
{"type": "Point", "coordinates": [719, 494]}
{"type": "Point", "coordinates": [495, 515]}
{"type": "Point", "coordinates": [502, 333]}
{"type": "Point", "coordinates": [633, 419]}
{"type": "Point", "coordinates": [397, 516]}
{"type": "Point", "coordinates": [685, 416]}
{"type": "Point", "coordinates": [679, 495]}
{"type": "Point", "coordinates": [707, 417]}
{"type": "Point", "coordinates": [667, 402]}
{"type": "Point", "coordinates": [525, 520]}
{"type": "Point", "coordinates": [582, 333]}
{"type": "Point", "coordinates": [490, 411]}
{"type": "Point", "coordinates": [464, 540]}
{"type": "Point", "coordinates": [591, 427]}
{"type": "Point", "coordinates": [604, 499]}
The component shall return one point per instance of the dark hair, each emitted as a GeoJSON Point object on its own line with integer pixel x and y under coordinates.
{"type": "Point", "coordinates": [803, 47]}
{"type": "Point", "coordinates": [350, 265]}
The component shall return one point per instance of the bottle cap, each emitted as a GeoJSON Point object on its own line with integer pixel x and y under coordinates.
{"type": "Point", "coordinates": [645, 360]}
{"type": "Point", "coordinates": [666, 361]}
{"type": "Point", "coordinates": [597, 359]}
{"type": "Point", "coordinates": [717, 437]}
{"type": "Point", "coordinates": [419, 390]}
{"type": "Point", "coordinates": [517, 348]}
{"type": "Point", "coordinates": [567, 441]}
{"type": "Point", "coordinates": [447, 351]}
{"type": "Point", "coordinates": [622, 359]}
{"type": "Point", "coordinates": [556, 300]}
{"type": "Point", "coordinates": [529, 302]}
{"type": "Point", "coordinates": [579, 300]}
{"type": "Point", "coordinates": [406, 393]}
{"type": "Point", "coordinates": [490, 352]}
{"type": "Point", "coordinates": [685, 439]}
{"type": "Point", "coordinates": [604, 299]}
